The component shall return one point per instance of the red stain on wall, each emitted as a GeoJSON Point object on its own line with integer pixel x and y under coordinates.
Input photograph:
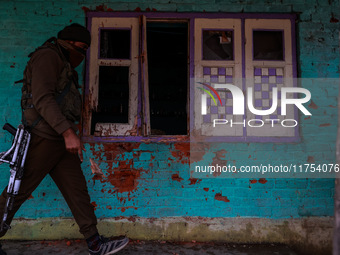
{"type": "Point", "coordinates": [333, 19]}
{"type": "Point", "coordinates": [219, 197]}
{"type": "Point", "coordinates": [30, 197]}
{"type": "Point", "coordinates": [262, 180]}
{"type": "Point", "coordinates": [313, 105]}
{"type": "Point", "coordinates": [123, 209]}
{"type": "Point", "coordinates": [182, 152]}
{"type": "Point", "coordinates": [198, 150]}
{"type": "Point", "coordinates": [94, 205]}
{"type": "Point", "coordinates": [175, 177]}
{"type": "Point", "coordinates": [325, 125]}
{"type": "Point", "coordinates": [85, 9]}
{"type": "Point", "coordinates": [194, 181]}
{"type": "Point", "coordinates": [310, 159]}
{"type": "Point", "coordinates": [100, 8]}
{"type": "Point", "coordinates": [124, 181]}
{"type": "Point", "coordinates": [218, 160]}
{"type": "Point", "coordinates": [206, 189]}
{"type": "Point", "coordinates": [125, 177]}
{"type": "Point", "coordinates": [253, 181]}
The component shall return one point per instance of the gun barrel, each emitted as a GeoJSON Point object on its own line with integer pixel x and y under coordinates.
{"type": "Point", "coordinates": [8, 127]}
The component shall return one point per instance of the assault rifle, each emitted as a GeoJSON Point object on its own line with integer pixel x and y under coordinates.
{"type": "Point", "coordinates": [15, 157]}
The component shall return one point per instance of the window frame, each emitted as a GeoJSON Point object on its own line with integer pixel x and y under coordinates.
{"type": "Point", "coordinates": [190, 17]}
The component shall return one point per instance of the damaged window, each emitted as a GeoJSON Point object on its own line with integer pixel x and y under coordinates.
{"type": "Point", "coordinates": [148, 75]}
{"type": "Point", "coordinates": [218, 45]}
{"type": "Point", "coordinates": [268, 45]}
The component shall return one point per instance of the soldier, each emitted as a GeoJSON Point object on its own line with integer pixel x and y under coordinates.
{"type": "Point", "coordinates": [51, 105]}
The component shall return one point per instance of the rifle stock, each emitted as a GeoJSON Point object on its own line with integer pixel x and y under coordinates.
{"type": "Point", "coordinates": [15, 157]}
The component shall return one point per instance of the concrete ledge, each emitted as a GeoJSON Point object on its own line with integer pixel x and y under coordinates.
{"type": "Point", "coordinates": [312, 235]}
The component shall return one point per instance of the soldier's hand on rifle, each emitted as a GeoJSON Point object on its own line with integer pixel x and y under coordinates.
{"type": "Point", "coordinates": [73, 143]}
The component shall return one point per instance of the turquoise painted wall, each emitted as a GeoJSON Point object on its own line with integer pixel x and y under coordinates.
{"type": "Point", "coordinates": [152, 180]}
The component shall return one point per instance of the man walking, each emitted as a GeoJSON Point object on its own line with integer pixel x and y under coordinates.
{"type": "Point", "coordinates": [51, 105]}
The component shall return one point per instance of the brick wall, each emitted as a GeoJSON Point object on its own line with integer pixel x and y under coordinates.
{"type": "Point", "coordinates": [152, 179]}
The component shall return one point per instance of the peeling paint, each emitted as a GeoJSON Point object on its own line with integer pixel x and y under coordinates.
{"type": "Point", "coordinates": [85, 9]}
{"type": "Point", "coordinates": [95, 168]}
{"type": "Point", "coordinates": [219, 197]}
{"type": "Point", "coordinates": [176, 177]}
{"type": "Point", "coordinates": [182, 152]}
{"type": "Point", "coordinates": [194, 181]}
{"type": "Point", "coordinates": [124, 181]}
{"type": "Point", "coordinates": [218, 161]}
{"type": "Point", "coordinates": [310, 159]}
{"type": "Point", "coordinates": [100, 8]}
{"type": "Point", "coordinates": [262, 180]}
{"type": "Point", "coordinates": [123, 209]}
{"type": "Point", "coordinates": [333, 19]}
{"type": "Point", "coordinates": [313, 105]}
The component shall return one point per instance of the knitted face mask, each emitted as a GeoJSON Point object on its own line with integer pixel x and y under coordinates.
{"type": "Point", "coordinates": [76, 54]}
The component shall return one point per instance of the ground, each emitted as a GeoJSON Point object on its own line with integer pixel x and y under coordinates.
{"type": "Point", "coordinates": [78, 247]}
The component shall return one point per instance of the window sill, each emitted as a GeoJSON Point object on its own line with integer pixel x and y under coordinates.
{"type": "Point", "coordinates": [142, 139]}
{"type": "Point", "coordinates": [186, 139]}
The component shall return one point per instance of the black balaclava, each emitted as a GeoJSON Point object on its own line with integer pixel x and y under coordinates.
{"type": "Point", "coordinates": [77, 33]}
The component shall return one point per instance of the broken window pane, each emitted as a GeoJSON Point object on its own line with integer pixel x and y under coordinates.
{"type": "Point", "coordinates": [115, 43]}
{"type": "Point", "coordinates": [113, 95]}
{"type": "Point", "coordinates": [218, 45]}
{"type": "Point", "coordinates": [268, 45]}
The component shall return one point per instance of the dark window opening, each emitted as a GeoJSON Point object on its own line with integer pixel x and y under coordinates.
{"type": "Point", "coordinates": [268, 45]}
{"type": "Point", "coordinates": [113, 96]}
{"type": "Point", "coordinates": [218, 45]}
{"type": "Point", "coordinates": [115, 43]}
{"type": "Point", "coordinates": [168, 77]}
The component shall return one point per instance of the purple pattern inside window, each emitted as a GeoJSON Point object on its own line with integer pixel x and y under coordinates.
{"type": "Point", "coordinates": [257, 87]}
{"type": "Point", "coordinates": [279, 79]}
{"type": "Point", "coordinates": [229, 79]}
{"type": "Point", "coordinates": [271, 86]}
{"type": "Point", "coordinates": [213, 109]}
{"type": "Point", "coordinates": [214, 78]}
{"type": "Point", "coordinates": [257, 72]}
{"type": "Point", "coordinates": [265, 94]}
{"type": "Point", "coordinates": [272, 71]}
{"type": "Point", "coordinates": [221, 71]}
{"type": "Point", "coordinates": [258, 103]}
{"type": "Point", "coordinates": [206, 70]}
{"type": "Point", "coordinates": [206, 118]}
{"type": "Point", "coordinates": [265, 79]}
